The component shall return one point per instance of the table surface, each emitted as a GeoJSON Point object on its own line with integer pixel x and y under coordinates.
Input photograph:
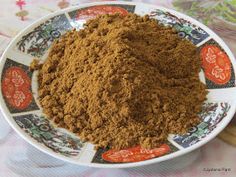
{"type": "Point", "coordinates": [216, 158]}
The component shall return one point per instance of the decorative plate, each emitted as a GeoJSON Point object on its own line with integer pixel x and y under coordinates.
{"type": "Point", "coordinates": [18, 96]}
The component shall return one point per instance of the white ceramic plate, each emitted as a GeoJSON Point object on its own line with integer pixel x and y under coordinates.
{"type": "Point", "coordinates": [18, 96]}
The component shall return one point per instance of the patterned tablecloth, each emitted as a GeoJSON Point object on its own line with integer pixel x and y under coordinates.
{"type": "Point", "coordinates": [214, 159]}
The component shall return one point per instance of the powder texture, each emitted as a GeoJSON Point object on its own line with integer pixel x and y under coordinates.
{"type": "Point", "coordinates": [122, 81]}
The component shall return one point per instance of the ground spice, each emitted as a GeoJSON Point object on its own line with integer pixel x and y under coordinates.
{"type": "Point", "coordinates": [122, 81]}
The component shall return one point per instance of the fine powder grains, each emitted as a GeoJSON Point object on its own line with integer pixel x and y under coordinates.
{"type": "Point", "coordinates": [122, 81]}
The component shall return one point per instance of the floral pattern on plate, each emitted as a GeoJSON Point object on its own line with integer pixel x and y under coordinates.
{"type": "Point", "coordinates": [217, 66]}
{"type": "Point", "coordinates": [37, 41]}
{"type": "Point", "coordinates": [78, 16]}
{"type": "Point", "coordinates": [211, 115]}
{"type": "Point", "coordinates": [133, 154]}
{"type": "Point", "coordinates": [185, 28]}
{"type": "Point", "coordinates": [44, 132]}
{"type": "Point", "coordinates": [16, 87]}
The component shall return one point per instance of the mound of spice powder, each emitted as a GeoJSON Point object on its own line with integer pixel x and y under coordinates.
{"type": "Point", "coordinates": [122, 81]}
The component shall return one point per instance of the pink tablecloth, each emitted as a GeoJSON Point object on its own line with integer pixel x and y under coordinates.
{"type": "Point", "coordinates": [215, 159]}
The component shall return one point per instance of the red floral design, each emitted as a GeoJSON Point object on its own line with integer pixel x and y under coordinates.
{"type": "Point", "coordinates": [216, 64]}
{"type": "Point", "coordinates": [134, 154]}
{"type": "Point", "coordinates": [16, 88]}
{"type": "Point", "coordinates": [93, 11]}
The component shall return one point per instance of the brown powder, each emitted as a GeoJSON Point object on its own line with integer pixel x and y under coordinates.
{"type": "Point", "coordinates": [122, 81]}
